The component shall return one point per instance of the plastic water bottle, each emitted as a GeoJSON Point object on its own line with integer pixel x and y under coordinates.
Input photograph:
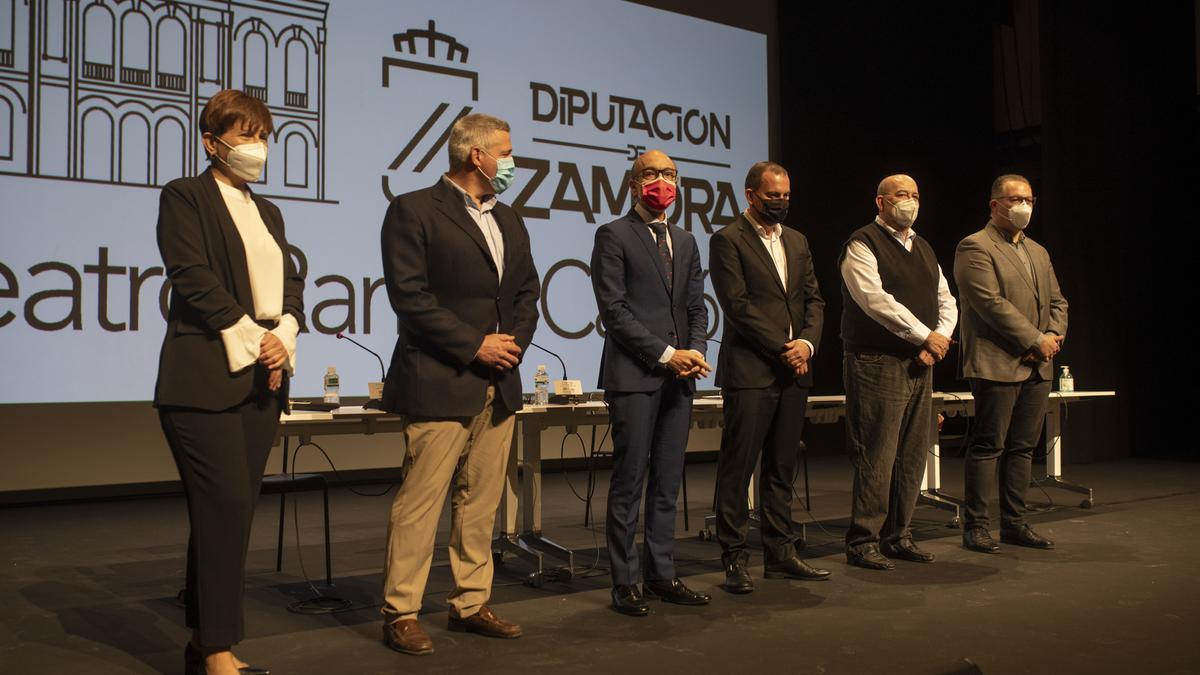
{"type": "Point", "coordinates": [1066, 381]}
{"type": "Point", "coordinates": [332, 383]}
{"type": "Point", "coordinates": [541, 386]}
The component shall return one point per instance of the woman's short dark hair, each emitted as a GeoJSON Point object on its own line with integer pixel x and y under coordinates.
{"type": "Point", "coordinates": [229, 107]}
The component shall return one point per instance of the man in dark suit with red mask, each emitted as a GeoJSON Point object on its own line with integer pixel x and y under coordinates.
{"type": "Point", "coordinates": [650, 291]}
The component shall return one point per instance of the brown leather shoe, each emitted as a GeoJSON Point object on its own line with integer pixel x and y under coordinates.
{"type": "Point", "coordinates": [484, 622]}
{"type": "Point", "coordinates": [407, 636]}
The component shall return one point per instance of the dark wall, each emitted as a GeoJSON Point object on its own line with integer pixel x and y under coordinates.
{"type": "Point", "coordinates": [865, 96]}
{"type": "Point", "coordinates": [1118, 160]}
{"type": "Point", "coordinates": [868, 90]}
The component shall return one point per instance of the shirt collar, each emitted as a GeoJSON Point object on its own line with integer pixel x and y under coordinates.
{"type": "Point", "coordinates": [487, 203]}
{"type": "Point", "coordinates": [901, 237]}
{"type": "Point", "coordinates": [229, 190]}
{"type": "Point", "coordinates": [772, 231]}
{"type": "Point", "coordinates": [646, 216]}
{"type": "Point", "coordinates": [1004, 235]}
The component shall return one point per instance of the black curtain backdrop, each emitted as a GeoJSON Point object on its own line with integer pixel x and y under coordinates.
{"type": "Point", "coordinates": [868, 90]}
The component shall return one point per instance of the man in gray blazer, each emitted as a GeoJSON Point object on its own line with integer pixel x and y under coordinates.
{"type": "Point", "coordinates": [1014, 319]}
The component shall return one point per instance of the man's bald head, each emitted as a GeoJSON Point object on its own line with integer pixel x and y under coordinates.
{"type": "Point", "coordinates": [651, 159]}
{"type": "Point", "coordinates": [895, 183]}
{"type": "Point", "coordinates": [892, 190]}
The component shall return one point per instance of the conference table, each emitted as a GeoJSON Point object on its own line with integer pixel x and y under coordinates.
{"type": "Point", "coordinates": [521, 532]}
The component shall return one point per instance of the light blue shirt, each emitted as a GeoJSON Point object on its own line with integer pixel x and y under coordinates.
{"type": "Point", "coordinates": [482, 215]}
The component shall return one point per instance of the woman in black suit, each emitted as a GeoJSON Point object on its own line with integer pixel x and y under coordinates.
{"type": "Point", "coordinates": [235, 311]}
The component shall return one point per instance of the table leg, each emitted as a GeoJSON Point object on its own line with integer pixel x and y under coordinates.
{"type": "Point", "coordinates": [525, 478]}
{"type": "Point", "coordinates": [1054, 451]}
{"type": "Point", "coordinates": [931, 480]}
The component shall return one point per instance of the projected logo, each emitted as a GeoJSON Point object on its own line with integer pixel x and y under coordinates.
{"type": "Point", "coordinates": [421, 47]}
{"type": "Point", "coordinates": [109, 91]}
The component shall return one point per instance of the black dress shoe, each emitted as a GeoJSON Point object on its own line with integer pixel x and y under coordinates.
{"type": "Point", "coordinates": [979, 539]}
{"type": "Point", "coordinates": [869, 558]}
{"type": "Point", "coordinates": [905, 549]}
{"type": "Point", "coordinates": [737, 576]}
{"type": "Point", "coordinates": [628, 600]}
{"type": "Point", "coordinates": [1025, 536]}
{"type": "Point", "coordinates": [793, 568]}
{"type": "Point", "coordinates": [674, 591]}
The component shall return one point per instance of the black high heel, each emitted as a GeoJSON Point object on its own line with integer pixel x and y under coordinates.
{"type": "Point", "coordinates": [193, 664]}
{"type": "Point", "coordinates": [193, 661]}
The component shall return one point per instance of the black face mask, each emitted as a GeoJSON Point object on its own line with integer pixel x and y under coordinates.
{"type": "Point", "coordinates": [773, 210]}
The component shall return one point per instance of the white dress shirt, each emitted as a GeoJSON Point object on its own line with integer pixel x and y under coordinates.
{"type": "Point", "coordinates": [264, 266]}
{"type": "Point", "coordinates": [860, 272]}
{"type": "Point", "coordinates": [771, 238]}
{"type": "Point", "coordinates": [482, 215]}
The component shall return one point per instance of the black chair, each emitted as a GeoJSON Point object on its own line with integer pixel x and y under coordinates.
{"type": "Point", "coordinates": [285, 483]}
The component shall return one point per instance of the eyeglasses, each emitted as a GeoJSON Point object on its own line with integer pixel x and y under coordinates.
{"type": "Point", "coordinates": [905, 194]}
{"type": "Point", "coordinates": [648, 175]}
{"type": "Point", "coordinates": [1018, 199]}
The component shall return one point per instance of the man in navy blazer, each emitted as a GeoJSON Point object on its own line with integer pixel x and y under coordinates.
{"type": "Point", "coordinates": [650, 292]}
{"type": "Point", "coordinates": [461, 279]}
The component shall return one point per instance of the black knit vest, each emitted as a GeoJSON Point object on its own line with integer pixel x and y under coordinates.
{"type": "Point", "coordinates": [911, 277]}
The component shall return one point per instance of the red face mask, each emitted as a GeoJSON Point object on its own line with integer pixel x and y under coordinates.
{"type": "Point", "coordinates": [658, 195]}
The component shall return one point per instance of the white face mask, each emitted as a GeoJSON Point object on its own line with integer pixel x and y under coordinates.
{"type": "Point", "coordinates": [245, 160]}
{"type": "Point", "coordinates": [904, 212]}
{"type": "Point", "coordinates": [1020, 214]}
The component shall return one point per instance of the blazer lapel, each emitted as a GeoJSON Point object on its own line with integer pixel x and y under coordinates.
{"type": "Point", "coordinates": [755, 243]}
{"type": "Point", "coordinates": [642, 232]}
{"type": "Point", "coordinates": [451, 205]}
{"type": "Point", "coordinates": [507, 228]}
{"type": "Point", "coordinates": [791, 251]}
{"type": "Point", "coordinates": [1042, 280]}
{"type": "Point", "coordinates": [1007, 252]}
{"type": "Point", "coordinates": [680, 252]}
{"type": "Point", "coordinates": [235, 248]}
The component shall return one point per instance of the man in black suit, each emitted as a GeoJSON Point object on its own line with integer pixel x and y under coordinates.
{"type": "Point", "coordinates": [461, 278]}
{"type": "Point", "coordinates": [650, 291]}
{"type": "Point", "coordinates": [763, 275]}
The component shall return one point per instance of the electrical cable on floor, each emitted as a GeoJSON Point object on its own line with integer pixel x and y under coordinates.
{"type": "Point", "coordinates": [813, 518]}
{"type": "Point", "coordinates": [338, 476]}
{"type": "Point", "coordinates": [319, 603]}
{"type": "Point", "coordinates": [1045, 455]}
{"type": "Point", "coordinates": [595, 569]}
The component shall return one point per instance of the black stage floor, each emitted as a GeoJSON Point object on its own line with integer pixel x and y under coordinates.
{"type": "Point", "coordinates": [90, 588]}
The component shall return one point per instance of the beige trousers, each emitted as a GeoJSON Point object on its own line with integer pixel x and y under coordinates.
{"type": "Point", "coordinates": [470, 453]}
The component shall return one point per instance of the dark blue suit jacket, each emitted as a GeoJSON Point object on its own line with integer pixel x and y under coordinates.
{"type": "Point", "coordinates": [442, 283]}
{"type": "Point", "coordinates": [640, 316]}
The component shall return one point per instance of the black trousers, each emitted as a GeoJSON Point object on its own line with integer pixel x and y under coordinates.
{"type": "Point", "coordinates": [764, 422]}
{"type": "Point", "coordinates": [1008, 424]}
{"type": "Point", "coordinates": [650, 432]}
{"type": "Point", "coordinates": [221, 457]}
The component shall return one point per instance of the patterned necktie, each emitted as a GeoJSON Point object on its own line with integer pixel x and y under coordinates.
{"type": "Point", "coordinates": [664, 251]}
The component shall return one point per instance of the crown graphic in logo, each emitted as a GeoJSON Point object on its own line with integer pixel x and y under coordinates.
{"type": "Point", "coordinates": [428, 50]}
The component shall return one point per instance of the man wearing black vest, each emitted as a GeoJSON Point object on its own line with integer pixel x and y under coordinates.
{"type": "Point", "coordinates": [893, 290]}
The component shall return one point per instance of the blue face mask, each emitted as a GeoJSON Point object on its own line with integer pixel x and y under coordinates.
{"type": "Point", "coordinates": [506, 170]}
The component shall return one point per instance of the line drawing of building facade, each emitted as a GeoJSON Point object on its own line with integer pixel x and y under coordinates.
{"type": "Point", "coordinates": [110, 91]}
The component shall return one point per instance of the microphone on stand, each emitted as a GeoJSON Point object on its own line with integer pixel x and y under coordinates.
{"type": "Point", "coordinates": [372, 401]}
{"type": "Point", "coordinates": [565, 391]}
